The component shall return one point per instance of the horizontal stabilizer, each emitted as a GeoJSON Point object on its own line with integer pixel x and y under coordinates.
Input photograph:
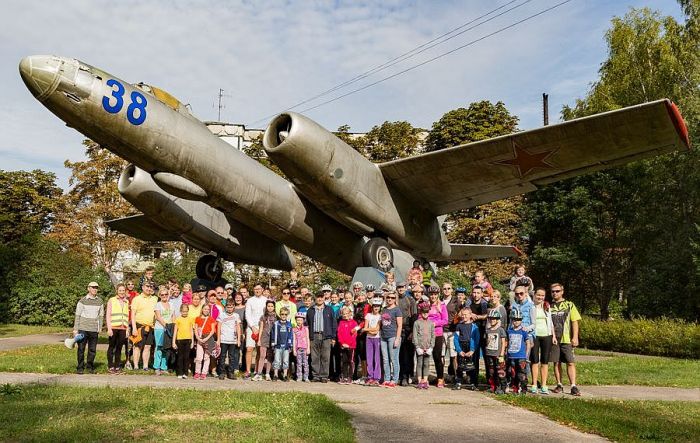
{"type": "Point", "coordinates": [476, 252]}
{"type": "Point", "coordinates": [142, 227]}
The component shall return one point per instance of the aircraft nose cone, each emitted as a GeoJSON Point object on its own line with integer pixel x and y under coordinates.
{"type": "Point", "coordinates": [41, 74]}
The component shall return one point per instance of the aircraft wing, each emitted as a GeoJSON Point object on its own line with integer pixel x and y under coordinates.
{"type": "Point", "coordinates": [476, 173]}
{"type": "Point", "coordinates": [142, 227]}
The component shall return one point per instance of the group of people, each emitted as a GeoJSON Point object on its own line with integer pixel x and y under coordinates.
{"type": "Point", "coordinates": [370, 336]}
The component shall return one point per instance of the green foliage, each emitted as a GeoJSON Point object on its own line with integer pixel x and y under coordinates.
{"type": "Point", "coordinates": [480, 121]}
{"type": "Point", "coordinates": [27, 203]}
{"type": "Point", "coordinates": [49, 282]}
{"type": "Point", "coordinates": [663, 336]}
{"type": "Point", "coordinates": [179, 264]}
{"type": "Point", "coordinates": [628, 230]}
{"type": "Point", "coordinates": [390, 141]}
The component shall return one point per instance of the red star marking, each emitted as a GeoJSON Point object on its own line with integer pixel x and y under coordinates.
{"type": "Point", "coordinates": [525, 162]}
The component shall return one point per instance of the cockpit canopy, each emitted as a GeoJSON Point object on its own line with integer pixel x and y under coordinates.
{"type": "Point", "coordinates": [165, 98]}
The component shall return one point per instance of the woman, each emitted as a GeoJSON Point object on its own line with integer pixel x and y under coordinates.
{"type": "Point", "coordinates": [438, 315]}
{"type": "Point", "coordinates": [196, 306]}
{"type": "Point", "coordinates": [392, 322]}
{"type": "Point", "coordinates": [164, 315]}
{"type": "Point", "coordinates": [239, 308]}
{"type": "Point", "coordinates": [117, 325]}
{"type": "Point", "coordinates": [543, 341]}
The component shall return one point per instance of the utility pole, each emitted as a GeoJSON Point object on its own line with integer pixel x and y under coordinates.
{"type": "Point", "coordinates": [221, 95]}
{"type": "Point", "coordinates": [545, 108]}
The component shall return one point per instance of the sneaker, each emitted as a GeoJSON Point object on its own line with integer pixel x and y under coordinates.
{"type": "Point", "coordinates": [184, 377]}
{"type": "Point", "coordinates": [306, 380]}
{"type": "Point", "coordinates": [157, 371]}
{"type": "Point", "coordinates": [257, 377]}
{"type": "Point", "coordinates": [473, 388]}
{"type": "Point", "coordinates": [404, 382]}
{"type": "Point", "coordinates": [575, 392]}
{"type": "Point", "coordinates": [440, 383]}
{"type": "Point", "coordinates": [112, 371]}
{"type": "Point", "coordinates": [499, 391]}
{"type": "Point", "coordinates": [426, 385]}
{"type": "Point", "coordinates": [196, 376]}
{"type": "Point", "coordinates": [360, 381]}
{"type": "Point", "coordinates": [457, 387]}
{"type": "Point", "coordinates": [202, 376]}
{"type": "Point", "coordinates": [222, 376]}
{"type": "Point", "coordinates": [267, 377]}
{"type": "Point", "coordinates": [559, 389]}
{"type": "Point", "coordinates": [533, 389]}
{"type": "Point", "coordinates": [544, 390]}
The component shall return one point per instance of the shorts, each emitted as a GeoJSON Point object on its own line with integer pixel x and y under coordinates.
{"type": "Point", "coordinates": [541, 350]}
{"type": "Point", "coordinates": [147, 338]}
{"type": "Point", "coordinates": [562, 353]}
{"type": "Point", "coordinates": [449, 341]}
{"type": "Point", "coordinates": [249, 342]}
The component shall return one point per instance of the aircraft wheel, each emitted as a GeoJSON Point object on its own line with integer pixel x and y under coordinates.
{"type": "Point", "coordinates": [378, 254]}
{"type": "Point", "coordinates": [209, 267]}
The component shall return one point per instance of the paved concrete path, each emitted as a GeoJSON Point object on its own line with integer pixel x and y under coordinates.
{"type": "Point", "coordinates": [9, 343]}
{"type": "Point", "coordinates": [641, 393]}
{"type": "Point", "coordinates": [434, 415]}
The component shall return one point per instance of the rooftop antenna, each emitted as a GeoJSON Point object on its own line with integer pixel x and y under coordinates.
{"type": "Point", "coordinates": [221, 103]}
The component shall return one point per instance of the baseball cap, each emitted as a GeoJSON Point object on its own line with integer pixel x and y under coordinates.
{"type": "Point", "coordinates": [93, 284]}
{"type": "Point", "coordinates": [401, 284]}
{"type": "Point", "coordinates": [228, 286]}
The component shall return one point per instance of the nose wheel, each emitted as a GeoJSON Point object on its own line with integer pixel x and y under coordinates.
{"type": "Point", "coordinates": [378, 254]}
{"type": "Point", "coordinates": [209, 267]}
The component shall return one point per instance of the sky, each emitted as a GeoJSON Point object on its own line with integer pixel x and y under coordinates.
{"type": "Point", "coordinates": [270, 55]}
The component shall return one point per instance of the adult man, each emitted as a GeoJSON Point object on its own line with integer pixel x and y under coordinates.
{"type": "Point", "coordinates": [244, 293]}
{"type": "Point", "coordinates": [175, 300]}
{"type": "Point", "coordinates": [88, 321]}
{"type": "Point", "coordinates": [407, 304]}
{"type": "Point", "coordinates": [143, 320]}
{"type": "Point", "coordinates": [148, 276]}
{"type": "Point", "coordinates": [254, 309]}
{"type": "Point", "coordinates": [220, 296]}
{"type": "Point", "coordinates": [565, 318]}
{"type": "Point", "coordinates": [452, 305]}
{"type": "Point", "coordinates": [480, 310]}
{"type": "Point", "coordinates": [322, 332]}
{"type": "Point", "coordinates": [117, 319]}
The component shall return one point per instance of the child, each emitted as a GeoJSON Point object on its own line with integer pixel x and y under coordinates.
{"type": "Point", "coordinates": [186, 294]}
{"type": "Point", "coordinates": [229, 340]}
{"type": "Point", "coordinates": [374, 342]}
{"type": "Point", "coordinates": [281, 340]}
{"type": "Point", "coordinates": [347, 338]}
{"type": "Point", "coordinates": [267, 321]}
{"type": "Point", "coordinates": [466, 341]}
{"type": "Point", "coordinates": [520, 279]}
{"type": "Point", "coordinates": [300, 347]}
{"type": "Point", "coordinates": [205, 330]}
{"type": "Point", "coordinates": [518, 350]}
{"type": "Point", "coordinates": [182, 340]}
{"type": "Point", "coordinates": [424, 340]}
{"type": "Point", "coordinates": [495, 350]}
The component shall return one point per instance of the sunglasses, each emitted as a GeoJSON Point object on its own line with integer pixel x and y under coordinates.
{"type": "Point", "coordinates": [391, 297]}
{"type": "Point", "coordinates": [556, 290]}
{"type": "Point", "coordinates": [94, 287]}
{"type": "Point", "coordinates": [522, 293]}
{"type": "Point", "coordinates": [285, 292]}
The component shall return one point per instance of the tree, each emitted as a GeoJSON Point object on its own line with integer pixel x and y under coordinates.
{"type": "Point", "coordinates": [648, 210]}
{"type": "Point", "coordinates": [27, 203]}
{"type": "Point", "coordinates": [92, 200]}
{"type": "Point", "coordinates": [480, 121]}
{"type": "Point", "coordinates": [390, 141]}
{"type": "Point", "coordinates": [493, 223]}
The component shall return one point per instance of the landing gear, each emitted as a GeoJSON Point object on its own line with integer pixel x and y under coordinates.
{"type": "Point", "coordinates": [209, 267]}
{"type": "Point", "coordinates": [378, 254]}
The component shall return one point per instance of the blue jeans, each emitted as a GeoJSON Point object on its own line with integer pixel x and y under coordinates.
{"type": "Point", "coordinates": [390, 359]}
{"type": "Point", "coordinates": [160, 358]}
{"type": "Point", "coordinates": [281, 359]}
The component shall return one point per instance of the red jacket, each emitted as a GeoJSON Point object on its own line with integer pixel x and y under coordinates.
{"type": "Point", "coordinates": [347, 333]}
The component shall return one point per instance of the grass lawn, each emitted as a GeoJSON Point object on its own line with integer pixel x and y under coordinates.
{"type": "Point", "coordinates": [13, 330]}
{"type": "Point", "coordinates": [65, 413]}
{"type": "Point", "coordinates": [628, 421]}
{"type": "Point", "coordinates": [643, 371]}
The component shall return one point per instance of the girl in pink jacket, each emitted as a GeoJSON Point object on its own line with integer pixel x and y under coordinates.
{"type": "Point", "coordinates": [347, 338]}
{"type": "Point", "coordinates": [438, 315]}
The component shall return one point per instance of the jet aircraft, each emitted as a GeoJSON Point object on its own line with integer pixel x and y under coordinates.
{"type": "Point", "coordinates": [337, 207]}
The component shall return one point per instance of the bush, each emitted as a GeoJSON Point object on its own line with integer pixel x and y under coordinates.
{"type": "Point", "coordinates": [48, 285]}
{"type": "Point", "coordinates": [664, 336]}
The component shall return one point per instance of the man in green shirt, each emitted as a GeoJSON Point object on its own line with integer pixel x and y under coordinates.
{"type": "Point", "coordinates": [565, 318]}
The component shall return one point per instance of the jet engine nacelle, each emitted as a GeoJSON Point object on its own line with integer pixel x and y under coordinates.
{"type": "Point", "coordinates": [199, 225]}
{"type": "Point", "coordinates": [347, 186]}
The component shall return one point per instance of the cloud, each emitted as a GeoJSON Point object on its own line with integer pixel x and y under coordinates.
{"type": "Point", "coordinates": [270, 54]}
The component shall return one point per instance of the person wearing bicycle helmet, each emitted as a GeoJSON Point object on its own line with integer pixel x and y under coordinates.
{"type": "Point", "coordinates": [495, 352]}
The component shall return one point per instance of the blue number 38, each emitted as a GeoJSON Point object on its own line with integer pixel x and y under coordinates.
{"type": "Point", "coordinates": [135, 112]}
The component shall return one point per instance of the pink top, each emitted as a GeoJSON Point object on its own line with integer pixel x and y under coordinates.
{"type": "Point", "coordinates": [440, 318]}
{"type": "Point", "coordinates": [300, 336]}
{"type": "Point", "coordinates": [347, 333]}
